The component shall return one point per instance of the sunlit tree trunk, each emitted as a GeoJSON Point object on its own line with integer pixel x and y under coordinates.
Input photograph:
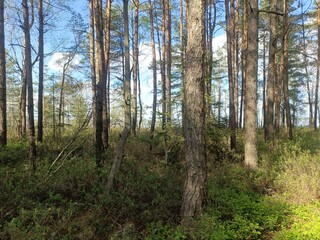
{"type": "Point", "coordinates": [3, 92]}
{"type": "Point", "coordinates": [194, 186]}
{"type": "Point", "coordinates": [251, 156]}
{"type": "Point", "coordinates": [28, 71]}
{"type": "Point", "coordinates": [163, 61]}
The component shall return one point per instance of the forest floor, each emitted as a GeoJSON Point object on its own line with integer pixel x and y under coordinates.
{"type": "Point", "coordinates": [66, 197]}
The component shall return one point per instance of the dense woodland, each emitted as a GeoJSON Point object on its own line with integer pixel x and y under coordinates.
{"type": "Point", "coordinates": [159, 119]}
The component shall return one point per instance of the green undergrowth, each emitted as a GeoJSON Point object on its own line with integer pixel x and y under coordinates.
{"type": "Point", "coordinates": [66, 197]}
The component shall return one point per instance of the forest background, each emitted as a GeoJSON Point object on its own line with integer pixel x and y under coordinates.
{"type": "Point", "coordinates": [159, 119]}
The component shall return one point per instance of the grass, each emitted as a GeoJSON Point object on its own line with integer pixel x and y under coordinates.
{"type": "Point", "coordinates": [69, 200]}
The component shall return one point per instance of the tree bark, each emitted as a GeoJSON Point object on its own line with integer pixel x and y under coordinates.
{"type": "Point", "coordinates": [318, 69]}
{"type": "Point", "coordinates": [127, 101]}
{"type": "Point", "coordinates": [285, 75]}
{"type": "Point", "coordinates": [251, 157]}
{"type": "Point", "coordinates": [106, 100]}
{"type": "Point", "coordinates": [194, 186]}
{"type": "Point", "coordinates": [92, 61]}
{"type": "Point", "coordinates": [28, 72]}
{"type": "Point", "coordinates": [269, 133]}
{"type": "Point", "coordinates": [41, 65]}
{"type": "Point", "coordinates": [231, 70]}
{"type": "Point", "coordinates": [168, 59]}
{"type": "Point", "coordinates": [154, 73]}
{"type": "Point", "coordinates": [100, 87]}
{"type": "Point", "coordinates": [135, 68]}
{"type": "Point", "coordinates": [3, 92]}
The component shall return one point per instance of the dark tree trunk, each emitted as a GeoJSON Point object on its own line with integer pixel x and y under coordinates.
{"type": "Point", "coordinates": [41, 64]}
{"type": "Point", "coordinates": [28, 72]}
{"type": "Point", "coordinates": [3, 92]}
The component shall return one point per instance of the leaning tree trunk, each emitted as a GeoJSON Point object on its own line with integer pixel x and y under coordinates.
{"type": "Point", "coordinates": [3, 99]}
{"type": "Point", "coordinates": [251, 157]}
{"type": "Point", "coordinates": [127, 103]}
{"type": "Point", "coordinates": [194, 186]}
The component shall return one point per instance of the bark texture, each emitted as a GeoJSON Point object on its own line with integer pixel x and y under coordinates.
{"type": "Point", "coordinates": [194, 186]}
{"type": "Point", "coordinates": [3, 104]}
{"type": "Point", "coordinates": [251, 157]}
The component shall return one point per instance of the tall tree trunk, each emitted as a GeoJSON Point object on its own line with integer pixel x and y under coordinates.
{"type": "Point", "coordinates": [41, 64]}
{"type": "Point", "coordinates": [3, 92]}
{"type": "Point", "coordinates": [135, 68]}
{"type": "Point", "coordinates": [264, 81]}
{"type": "Point", "coordinates": [182, 51]}
{"type": "Point", "coordinates": [127, 102]}
{"type": "Point", "coordinates": [231, 70]}
{"type": "Point", "coordinates": [163, 67]}
{"type": "Point", "coordinates": [251, 156]}
{"type": "Point", "coordinates": [106, 103]}
{"type": "Point", "coordinates": [194, 186]}
{"type": "Point", "coordinates": [92, 61]}
{"type": "Point", "coordinates": [28, 71]}
{"type": "Point", "coordinates": [243, 59]}
{"type": "Point", "coordinates": [168, 59]}
{"type": "Point", "coordinates": [285, 75]}
{"type": "Point", "coordinates": [101, 84]}
{"type": "Point", "coordinates": [269, 134]}
{"type": "Point", "coordinates": [23, 104]}
{"type": "Point", "coordinates": [154, 73]}
{"type": "Point", "coordinates": [318, 66]}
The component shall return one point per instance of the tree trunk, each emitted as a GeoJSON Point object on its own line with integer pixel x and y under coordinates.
{"type": "Point", "coordinates": [244, 59]}
{"type": "Point", "coordinates": [100, 87]}
{"type": "Point", "coordinates": [154, 73]}
{"type": "Point", "coordinates": [92, 61]}
{"type": "Point", "coordinates": [135, 68]}
{"type": "Point", "coordinates": [318, 66]}
{"type": "Point", "coordinates": [3, 92]}
{"type": "Point", "coordinates": [41, 64]}
{"type": "Point", "coordinates": [194, 186]}
{"type": "Point", "coordinates": [106, 103]}
{"type": "Point", "coordinates": [28, 71]}
{"type": "Point", "coordinates": [251, 157]}
{"type": "Point", "coordinates": [285, 75]}
{"type": "Point", "coordinates": [127, 101]}
{"type": "Point", "coordinates": [231, 70]}
{"type": "Point", "coordinates": [269, 134]}
{"type": "Point", "coordinates": [168, 58]}
{"type": "Point", "coordinates": [163, 67]}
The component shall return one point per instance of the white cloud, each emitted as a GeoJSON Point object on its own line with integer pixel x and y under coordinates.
{"type": "Point", "coordinates": [59, 59]}
{"type": "Point", "coordinates": [219, 42]}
